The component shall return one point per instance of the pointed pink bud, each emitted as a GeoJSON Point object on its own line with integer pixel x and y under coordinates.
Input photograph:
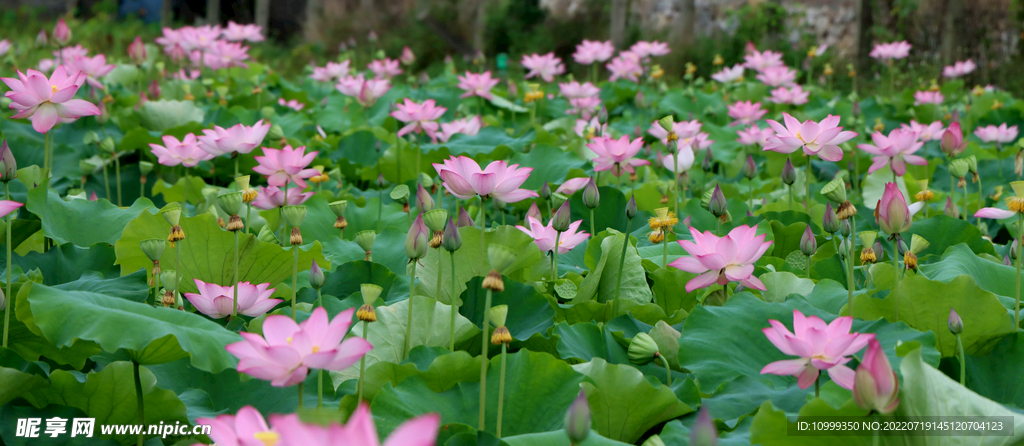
{"type": "Point", "coordinates": [61, 32]}
{"type": "Point", "coordinates": [875, 385]}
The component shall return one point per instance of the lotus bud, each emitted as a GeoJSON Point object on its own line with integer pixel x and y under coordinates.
{"type": "Point", "coordinates": [267, 235]}
{"type": "Point", "coordinates": [231, 202]}
{"type": "Point", "coordinates": [631, 207]}
{"type": "Point", "coordinates": [642, 349]}
{"type": "Point", "coordinates": [424, 202]}
{"type": "Point", "coordinates": [545, 191]}
{"type": "Point", "coordinates": [955, 324]}
{"type": "Point", "coordinates": [436, 219]}
{"type": "Point", "coordinates": [533, 211]}
{"type": "Point", "coordinates": [602, 116]}
{"type": "Point", "coordinates": [42, 39]}
{"type": "Point", "coordinates": [169, 278]}
{"type": "Point", "coordinates": [844, 228]}
{"type": "Point", "coordinates": [808, 244]}
{"type": "Point", "coordinates": [562, 218]}
{"type": "Point", "coordinates": [8, 165]}
{"type": "Point", "coordinates": [788, 173]}
{"type": "Point", "coordinates": [704, 432]}
{"type": "Point", "coordinates": [830, 222]}
{"type": "Point", "coordinates": [577, 419]}
{"type": "Point", "coordinates": [717, 204]}
{"type": "Point", "coordinates": [835, 191]}
{"type": "Point", "coordinates": [844, 247]}
{"type": "Point", "coordinates": [465, 219]}
{"type": "Point", "coordinates": [749, 168]}
{"type": "Point", "coordinates": [452, 240]}
{"type": "Point", "coordinates": [61, 32]}
{"type": "Point", "coordinates": [877, 248]}
{"type": "Point", "coordinates": [1006, 261]}
{"type": "Point", "coordinates": [951, 210]}
{"type": "Point", "coordinates": [137, 51]}
{"type": "Point", "coordinates": [640, 100]}
{"type": "Point", "coordinates": [654, 440]}
{"type": "Point", "coordinates": [370, 293]}
{"type": "Point", "coordinates": [107, 145]}
{"type": "Point", "coordinates": [416, 239]}
{"type": "Point", "coordinates": [953, 142]}
{"type": "Point", "coordinates": [316, 276]}
{"type": "Point", "coordinates": [893, 213]}
{"type": "Point", "coordinates": [275, 132]}
{"type": "Point", "coordinates": [591, 196]}
{"type": "Point", "coordinates": [901, 246]}
{"type": "Point", "coordinates": [875, 385]}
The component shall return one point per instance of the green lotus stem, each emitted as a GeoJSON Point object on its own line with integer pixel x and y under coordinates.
{"type": "Point", "coordinates": [501, 386]}
{"type": "Point", "coordinates": [896, 272]}
{"type": "Point", "coordinates": [455, 306]}
{"type": "Point", "coordinates": [592, 233]}
{"type": "Point", "coordinates": [809, 180]}
{"type": "Point", "coordinates": [440, 269]}
{"type": "Point", "coordinates": [398, 163]}
{"type": "Point", "coordinates": [809, 260]}
{"type": "Point", "coordinates": [483, 361]}
{"type": "Point", "coordinates": [319, 298]}
{"type": "Point", "coordinates": [981, 200]}
{"type": "Point", "coordinates": [138, 399]}
{"type": "Point", "coordinates": [1020, 256]}
{"type": "Point", "coordinates": [117, 176]}
{"type": "Point", "coordinates": [618, 178]}
{"type": "Point", "coordinates": [184, 196]}
{"type": "Point", "coordinates": [106, 181]}
{"type": "Point", "coordinates": [483, 241]}
{"type": "Point", "coordinates": [319, 389]}
{"type": "Point", "coordinates": [664, 251]}
{"type": "Point", "coordinates": [46, 159]}
{"type": "Point", "coordinates": [718, 226]}
{"type": "Point", "coordinates": [668, 371]}
{"type": "Point", "coordinates": [790, 190]}
{"type": "Point", "coordinates": [963, 360]}
{"type": "Point", "coordinates": [295, 275]}
{"type": "Point", "coordinates": [280, 216]}
{"type": "Point", "coordinates": [380, 209]}
{"type": "Point", "coordinates": [750, 195]}
{"type": "Point", "coordinates": [851, 282]}
{"type": "Point", "coordinates": [7, 307]}
{"type": "Point", "coordinates": [235, 156]}
{"type": "Point", "coordinates": [234, 304]}
{"type": "Point", "coordinates": [622, 262]}
{"type": "Point", "coordinates": [817, 386]}
{"type": "Point", "coordinates": [301, 385]}
{"type": "Point", "coordinates": [419, 154]}
{"type": "Point", "coordinates": [533, 122]}
{"type": "Point", "coordinates": [408, 318]}
{"type": "Point", "coordinates": [248, 215]}
{"type": "Point", "coordinates": [965, 201]}
{"type": "Point", "coordinates": [362, 368]}
{"type": "Point", "coordinates": [554, 268]}
{"type": "Point", "coordinates": [177, 273]}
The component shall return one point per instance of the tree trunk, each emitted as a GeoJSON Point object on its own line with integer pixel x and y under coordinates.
{"type": "Point", "coordinates": [166, 13]}
{"type": "Point", "coordinates": [950, 31]}
{"type": "Point", "coordinates": [684, 26]}
{"type": "Point", "coordinates": [263, 15]}
{"type": "Point", "coordinates": [314, 11]}
{"type": "Point", "coordinates": [864, 23]}
{"type": "Point", "coordinates": [213, 12]}
{"type": "Point", "coordinates": [618, 16]}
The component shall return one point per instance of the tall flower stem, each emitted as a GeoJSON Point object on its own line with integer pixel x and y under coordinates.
{"type": "Point", "coordinates": [301, 385]}
{"type": "Point", "coordinates": [319, 298]}
{"type": "Point", "coordinates": [248, 215]}
{"type": "Point", "coordinates": [408, 317]}
{"type": "Point", "coordinates": [501, 386]}
{"type": "Point", "coordinates": [10, 303]}
{"type": "Point", "coordinates": [184, 195]}
{"type": "Point", "coordinates": [295, 275]}
{"type": "Point", "coordinates": [319, 388]}
{"type": "Point", "coordinates": [280, 216]}
{"type": "Point", "coordinates": [963, 360]}
{"type": "Point", "coordinates": [554, 268]}
{"type": "Point", "coordinates": [362, 366]}
{"type": "Point", "coordinates": [750, 196]}
{"type": "Point", "coordinates": [455, 306]}
{"type": "Point", "coordinates": [141, 407]}
{"type": "Point", "coordinates": [896, 273]}
{"type": "Point", "coordinates": [234, 304]}
{"type": "Point", "coordinates": [46, 161]}
{"type": "Point", "coordinates": [483, 361]}
{"type": "Point", "coordinates": [965, 201]}
{"type": "Point", "coordinates": [592, 222]}
{"type": "Point", "coordinates": [668, 371]}
{"type": "Point", "coordinates": [177, 273]}
{"type": "Point", "coordinates": [851, 282]}
{"type": "Point", "coordinates": [106, 181]}
{"type": "Point", "coordinates": [622, 262]}
{"type": "Point", "coordinates": [117, 177]}
{"type": "Point", "coordinates": [1020, 240]}
{"type": "Point", "coordinates": [664, 251]}
{"type": "Point", "coordinates": [809, 179]}
{"type": "Point", "coordinates": [790, 189]}
{"type": "Point", "coordinates": [981, 200]}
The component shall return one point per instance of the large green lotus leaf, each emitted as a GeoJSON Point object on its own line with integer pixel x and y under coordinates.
{"type": "Point", "coordinates": [66, 263]}
{"type": "Point", "coordinates": [943, 232]}
{"type": "Point", "coordinates": [549, 164]}
{"type": "Point", "coordinates": [173, 193]}
{"type": "Point", "coordinates": [995, 376]}
{"type": "Point", "coordinates": [990, 276]}
{"type": "Point", "coordinates": [585, 341]}
{"type": "Point", "coordinates": [18, 376]}
{"type": "Point", "coordinates": [347, 278]}
{"type": "Point", "coordinates": [609, 214]}
{"type": "Point", "coordinates": [21, 230]}
{"type": "Point", "coordinates": [625, 415]}
{"type": "Point", "coordinates": [601, 283]}
{"type": "Point", "coordinates": [431, 327]}
{"type": "Point", "coordinates": [557, 438]}
{"type": "Point", "coordinates": [670, 290]}
{"type": "Point", "coordinates": [208, 252]}
{"type": "Point", "coordinates": [25, 338]}
{"type": "Point", "coordinates": [528, 311]}
{"type": "Point", "coordinates": [471, 261]}
{"type": "Point", "coordinates": [131, 287]}
{"type": "Point", "coordinates": [538, 390]}
{"type": "Point", "coordinates": [109, 397]}
{"type": "Point", "coordinates": [483, 143]}
{"type": "Point", "coordinates": [82, 222]}
{"type": "Point", "coordinates": [66, 316]}
{"type": "Point", "coordinates": [442, 373]}
{"type": "Point", "coordinates": [8, 431]}
{"type": "Point", "coordinates": [165, 114]}
{"type": "Point", "coordinates": [781, 284]}
{"type": "Point", "coordinates": [771, 426]}
{"type": "Point", "coordinates": [710, 332]}
{"type": "Point", "coordinates": [925, 304]}
{"type": "Point", "coordinates": [744, 395]}
{"type": "Point", "coordinates": [677, 433]}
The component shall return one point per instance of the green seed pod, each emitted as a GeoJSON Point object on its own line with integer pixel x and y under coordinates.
{"type": "Point", "coordinates": [835, 191]}
{"type": "Point", "coordinates": [266, 235]}
{"type": "Point", "coordinates": [242, 182]}
{"type": "Point", "coordinates": [370, 292]}
{"type": "Point", "coordinates": [436, 219]}
{"type": "Point", "coordinates": [153, 248]}
{"type": "Point", "coordinates": [231, 202]}
{"type": "Point", "coordinates": [145, 167]}
{"type": "Point", "coordinates": [959, 168]}
{"type": "Point", "coordinates": [365, 239]}
{"type": "Point", "coordinates": [666, 123]}
{"type": "Point", "coordinates": [338, 207]}
{"type": "Point", "coordinates": [169, 278]}
{"type": "Point", "coordinates": [276, 132]}
{"type": "Point", "coordinates": [86, 167]}
{"type": "Point", "coordinates": [642, 349]}
{"type": "Point", "coordinates": [107, 145]}
{"type": "Point", "coordinates": [654, 440]}
{"type": "Point", "coordinates": [400, 193]}
{"type": "Point", "coordinates": [918, 244]}
{"type": "Point", "coordinates": [171, 213]}
{"type": "Point", "coordinates": [498, 315]}
{"type": "Point", "coordinates": [500, 257]}
{"type": "Point", "coordinates": [294, 215]}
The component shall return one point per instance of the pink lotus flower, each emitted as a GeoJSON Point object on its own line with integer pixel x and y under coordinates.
{"type": "Point", "coordinates": [991, 133]}
{"type": "Point", "coordinates": [137, 51]}
{"type": "Point", "coordinates": [928, 97]}
{"type": "Point", "coordinates": [93, 68]}
{"type": "Point", "coordinates": [959, 69]}
{"type": "Point", "coordinates": [584, 127]}
{"type": "Point", "coordinates": [221, 54]}
{"type": "Point", "coordinates": [649, 49]}
{"type": "Point", "coordinates": [5, 46]}
{"type": "Point", "coordinates": [333, 71]}
{"type": "Point", "coordinates": [217, 301]}
{"type": "Point", "coordinates": [819, 347]}
{"type": "Point", "coordinates": [821, 139]}
{"type": "Point", "coordinates": [41, 38]}
{"type": "Point", "coordinates": [274, 197]}
{"type": "Point", "coordinates": [729, 74]}
{"type": "Point", "coordinates": [46, 65]}
{"type": "Point", "coordinates": [891, 51]}
{"type": "Point", "coordinates": [893, 214]}
{"type": "Point", "coordinates": [696, 142]}
{"type": "Point", "coordinates": [570, 186]}
{"type": "Point", "coordinates": [185, 152]}
{"type": "Point", "coordinates": [591, 51]}
{"type": "Point", "coordinates": [418, 117]}
{"type": "Point", "coordinates": [170, 38]}
{"type": "Point", "coordinates": [993, 213]}
{"type": "Point", "coordinates": [684, 163]}
{"type": "Point", "coordinates": [546, 66]}
{"type": "Point", "coordinates": [759, 61]}
{"type": "Point", "coordinates": [61, 32]}
{"type": "Point", "coordinates": [408, 57]}
{"type": "Point", "coordinates": [8, 206]}
{"type": "Point", "coordinates": [616, 155]}
{"type": "Point", "coordinates": [897, 148]}
{"type": "Point", "coordinates": [365, 91]}
{"type": "Point", "coordinates": [245, 428]}
{"type": "Point", "coordinates": [794, 96]}
{"type": "Point", "coordinates": [777, 76]}
{"type": "Point", "coordinates": [191, 75]}
{"type": "Point", "coordinates": [48, 101]}
{"type": "Point", "coordinates": [952, 141]}
{"type": "Point", "coordinates": [544, 236]}
{"type": "Point", "coordinates": [236, 33]}
{"type": "Point", "coordinates": [286, 351]}
{"type": "Point", "coordinates": [464, 179]}
{"type": "Point", "coordinates": [875, 386]}
{"type": "Point", "coordinates": [625, 66]}
{"type": "Point", "coordinates": [384, 68]}
{"type": "Point", "coordinates": [477, 84]}
{"type": "Point", "coordinates": [683, 129]}
{"type": "Point", "coordinates": [286, 165]}
{"type": "Point", "coordinates": [930, 132]}
{"type": "Point", "coordinates": [754, 135]}
{"type": "Point", "coordinates": [746, 113]}
{"type": "Point", "coordinates": [237, 138]}
{"type": "Point", "coordinates": [293, 104]}
{"type": "Point", "coordinates": [465, 126]}
{"type": "Point", "coordinates": [572, 90]}
{"type": "Point", "coordinates": [198, 38]}
{"type": "Point", "coordinates": [722, 260]}
{"type": "Point", "coordinates": [360, 431]}
{"type": "Point", "coordinates": [585, 107]}
{"type": "Point", "coordinates": [70, 52]}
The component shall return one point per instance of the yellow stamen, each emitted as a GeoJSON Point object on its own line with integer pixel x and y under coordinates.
{"type": "Point", "coordinates": [316, 348]}
{"type": "Point", "coordinates": [54, 88]}
{"type": "Point", "coordinates": [267, 438]}
{"type": "Point", "coordinates": [289, 340]}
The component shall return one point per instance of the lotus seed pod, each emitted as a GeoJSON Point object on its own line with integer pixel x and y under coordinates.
{"type": "Point", "coordinates": [171, 213]}
{"type": "Point", "coordinates": [169, 278]}
{"type": "Point", "coordinates": [667, 123]}
{"type": "Point", "coordinates": [499, 313]}
{"type": "Point", "coordinates": [370, 292]}
{"type": "Point", "coordinates": [436, 219]}
{"type": "Point", "coordinates": [918, 244]}
{"type": "Point", "coordinates": [86, 167]}
{"type": "Point", "coordinates": [500, 257]}
{"type": "Point", "coordinates": [654, 440]}
{"type": "Point", "coordinates": [365, 239]}
{"type": "Point", "coordinates": [835, 191]}
{"type": "Point", "coordinates": [230, 202]}
{"type": "Point", "coordinates": [867, 237]}
{"type": "Point", "coordinates": [153, 248]}
{"type": "Point", "coordinates": [266, 235]}
{"type": "Point", "coordinates": [276, 132]}
{"type": "Point", "coordinates": [294, 215]}
{"type": "Point", "coordinates": [400, 193]}
{"type": "Point", "coordinates": [338, 207]}
{"type": "Point", "coordinates": [642, 349]}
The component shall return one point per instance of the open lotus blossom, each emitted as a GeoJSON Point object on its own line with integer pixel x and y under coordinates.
{"type": "Point", "coordinates": [546, 66]}
{"type": "Point", "coordinates": [185, 152]}
{"type": "Point", "coordinates": [237, 138]}
{"type": "Point", "coordinates": [928, 97]}
{"type": "Point", "coordinates": [365, 91]}
{"type": "Point", "coordinates": [821, 139]}
{"type": "Point", "coordinates": [645, 49]}
{"type": "Point", "coordinates": [591, 51]}
{"type": "Point", "coordinates": [729, 74]}
{"type": "Point", "coordinates": [465, 126]}
{"type": "Point", "coordinates": [333, 71]}
{"type": "Point", "coordinates": [761, 60]}
{"type": "Point", "coordinates": [794, 96]}
{"type": "Point", "coordinates": [683, 129]}
{"type": "Point", "coordinates": [696, 142]}
{"type": "Point", "coordinates": [68, 53]}
{"type": "Point", "coordinates": [754, 135]}
{"type": "Point", "coordinates": [1001, 134]}
{"type": "Point", "coordinates": [777, 76]}
{"type": "Point", "coordinates": [585, 107]}
{"type": "Point", "coordinates": [236, 33]}
{"type": "Point", "coordinates": [746, 113]}
{"type": "Point", "coordinates": [477, 84]}
{"type": "Point", "coordinates": [896, 149]}
{"type": "Point", "coordinates": [544, 236]}
{"type": "Point", "coordinates": [418, 117]}
{"type": "Point", "coordinates": [625, 66]}
{"type": "Point", "coordinates": [384, 68]}
{"type": "Point", "coordinates": [875, 385]}
{"type": "Point", "coordinates": [221, 54]}
{"type": "Point", "coordinates": [818, 346]}
{"type": "Point", "coordinates": [199, 38]}
{"type": "Point", "coordinates": [48, 100]}
{"type": "Point", "coordinates": [274, 197]}
{"type": "Point", "coordinates": [570, 187]}
{"type": "Point", "coordinates": [572, 90]}
{"type": "Point", "coordinates": [218, 301]}
{"type": "Point", "coordinates": [286, 351]}
{"type": "Point", "coordinates": [994, 213]}
{"type": "Point", "coordinates": [681, 164]}
{"type": "Point", "coordinates": [293, 104]}
{"type": "Point", "coordinates": [930, 132]}
{"type": "Point", "coordinates": [93, 67]}
{"type": "Point", "coordinates": [589, 129]}
{"type": "Point", "coordinates": [959, 69]}
{"type": "Point", "coordinates": [245, 428]}
{"type": "Point", "coordinates": [722, 259]}
{"type": "Point", "coordinates": [890, 51]}
{"type": "Point", "coordinates": [463, 178]}
{"type": "Point", "coordinates": [616, 155]}
{"type": "Point", "coordinates": [285, 165]}
{"type": "Point", "coordinates": [359, 431]}
{"type": "Point", "coordinates": [191, 75]}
